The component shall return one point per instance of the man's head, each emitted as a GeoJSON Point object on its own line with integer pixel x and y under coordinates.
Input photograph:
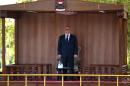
{"type": "Point", "coordinates": [67, 29]}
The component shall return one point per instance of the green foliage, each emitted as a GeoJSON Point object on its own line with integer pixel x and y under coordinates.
{"type": "Point", "coordinates": [9, 37]}
{"type": "Point", "coordinates": [25, 1]}
{"type": "Point", "coordinates": [10, 47]}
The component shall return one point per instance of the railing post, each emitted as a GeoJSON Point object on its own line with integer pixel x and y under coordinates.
{"type": "Point", "coordinates": [8, 80]}
{"type": "Point", "coordinates": [98, 80]}
{"type": "Point", "coordinates": [26, 80]}
{"type": "Point", "coordinates": [62, 80]}
{"type": "Point", "coordinates": [44, 80]}
{"type": "Point", "coordinates": [80, 80]}
{"type": "Point", "coordinates": [117, 83]}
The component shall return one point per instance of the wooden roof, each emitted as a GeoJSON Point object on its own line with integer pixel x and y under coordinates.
{"type": "Point", "coordinates": [72, 5]}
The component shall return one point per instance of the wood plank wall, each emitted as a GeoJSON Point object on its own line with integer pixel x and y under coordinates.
{"type": "Point", "coordinates": [98, 37]}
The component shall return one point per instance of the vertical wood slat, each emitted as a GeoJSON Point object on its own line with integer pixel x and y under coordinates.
{"type": "Point", "coordinates": [3, 45]}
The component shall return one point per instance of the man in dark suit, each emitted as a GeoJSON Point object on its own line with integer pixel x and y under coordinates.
{"type": "Point", "coordinates": [67, 50]}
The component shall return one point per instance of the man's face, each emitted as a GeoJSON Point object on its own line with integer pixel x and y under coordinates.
{"type": "Point", "coordinates": [67, 30]}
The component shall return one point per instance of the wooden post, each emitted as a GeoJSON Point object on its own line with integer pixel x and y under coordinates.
{"type": "Point", "coordinates": [16, 41]}
{"type": "Point", "coordinates": [3, 46]}
{"type": "Point", "coordinates": [123, 42]}
{"type": "Point", "coordinates": [125, 29]}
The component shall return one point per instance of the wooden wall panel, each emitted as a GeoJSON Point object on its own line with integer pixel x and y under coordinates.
{"type": "Point", "coordinates": [98, 37]}
{"type": "Point", "coordinates": [103, 41]}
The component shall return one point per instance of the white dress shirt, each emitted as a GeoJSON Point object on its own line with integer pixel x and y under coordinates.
{"type": "Point", "coordinates": [67, 36]}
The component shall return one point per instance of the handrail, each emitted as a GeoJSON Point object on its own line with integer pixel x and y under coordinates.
{"type": "Point", "coordinates": [62, 75]}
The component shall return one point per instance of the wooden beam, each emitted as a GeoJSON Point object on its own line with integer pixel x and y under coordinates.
{"type": "Point", "coordinates": [71, 5]}
{"type": "Point", "coordinates": [3, 14]}
{"type": "Point", "coordinates": [9, 14]}
{"type": "Point", "coordinates": [3, 45]}
{"type": "Point", "coordinates": [43, 5]}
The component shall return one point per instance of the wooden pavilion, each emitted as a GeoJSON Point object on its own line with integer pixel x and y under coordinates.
{"type": "Point", "coordinates": [101, 30]}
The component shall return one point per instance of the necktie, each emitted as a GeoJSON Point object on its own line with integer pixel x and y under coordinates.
{"type": "Point", "coordinates": [67, 37]}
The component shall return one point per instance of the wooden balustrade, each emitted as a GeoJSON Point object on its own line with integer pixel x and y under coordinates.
{"type": "Point", "coordinates": [101, 69]}
{"type": "Point", "coordinates": [28, 69]}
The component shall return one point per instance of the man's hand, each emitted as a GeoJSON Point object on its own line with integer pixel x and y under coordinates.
{"type": "Point", "coordinates": [75, 55]}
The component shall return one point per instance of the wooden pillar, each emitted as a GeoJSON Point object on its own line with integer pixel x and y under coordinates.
{"type": "Point", "coordinates": [3, 46]}
{"type": "Point", "coordinates": [125, 28]}
{"type": "Point", "coordinates": [122, 37]}
{"type": "Point", "coordinates": [16, 41]}
{"type": "Point", "coordinates": [121, 51]}
{"type": "Point", "coordinates": [123, 42]}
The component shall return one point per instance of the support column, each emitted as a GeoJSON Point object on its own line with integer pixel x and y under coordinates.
{"type": "Point", "coordinates": [3, 46]}
{"type": "Point", "coordinates": [16, 40]}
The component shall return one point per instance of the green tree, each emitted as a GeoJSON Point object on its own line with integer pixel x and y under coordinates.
{"type": "Point", "coordinates": [9, 40]}
{"type": "Point", "coordinates": [25, 1]}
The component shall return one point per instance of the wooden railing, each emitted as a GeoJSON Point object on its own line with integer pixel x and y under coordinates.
{"type": "Point", "coordinates": [28, 69]}
{"type": "Point", "coordinates": [101, 69]}
{"type": "Point", "coordinates": [47, 69]}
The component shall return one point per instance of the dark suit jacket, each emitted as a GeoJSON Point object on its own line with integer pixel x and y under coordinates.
{"type": "Point", "coordinates": [67, 48]}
